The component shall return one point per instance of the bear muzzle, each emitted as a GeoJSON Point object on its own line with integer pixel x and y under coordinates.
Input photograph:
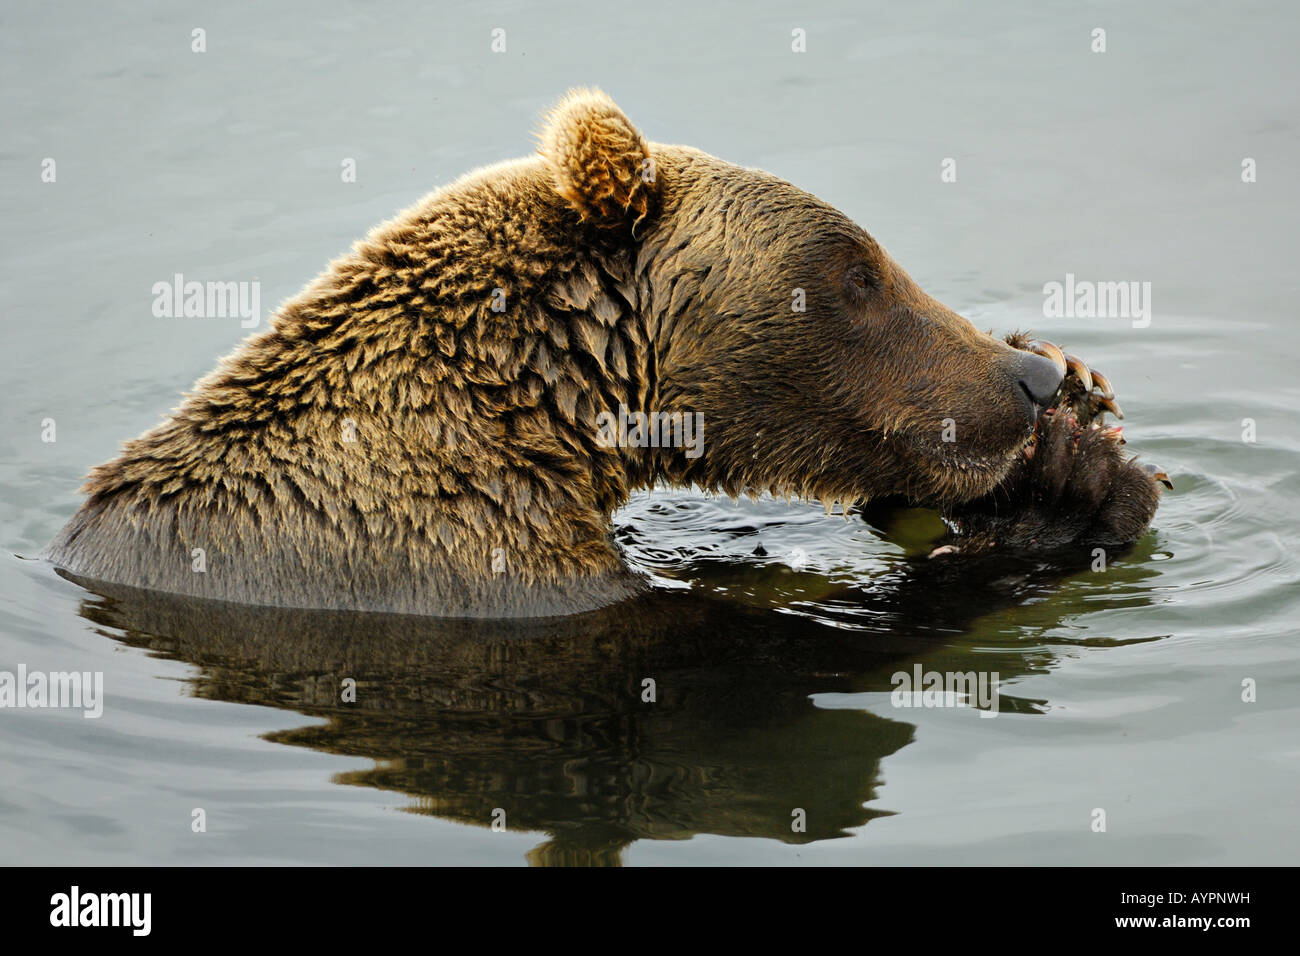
{"type": "Point", "coordinates": [1038, 378]}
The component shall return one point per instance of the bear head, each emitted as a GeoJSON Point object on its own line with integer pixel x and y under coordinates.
{"type": "Point", "coordinates": [819, 367]}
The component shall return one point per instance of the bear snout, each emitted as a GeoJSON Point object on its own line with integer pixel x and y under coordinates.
{"type": "Point", "coordinates": [1037, 379]}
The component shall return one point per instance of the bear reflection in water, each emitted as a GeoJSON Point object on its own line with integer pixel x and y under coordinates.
{"type": "Point", "coordinates": [547, 719]}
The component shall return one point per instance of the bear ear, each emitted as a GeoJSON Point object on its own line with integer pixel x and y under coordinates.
{"type": "Point", "coordinates": [600, 162]}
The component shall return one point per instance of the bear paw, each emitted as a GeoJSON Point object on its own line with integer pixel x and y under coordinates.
{"type": "Point", "coordinates": [1073, 486]}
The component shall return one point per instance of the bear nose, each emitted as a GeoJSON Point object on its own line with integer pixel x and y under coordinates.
{"type": "Point", "coordinates": [1039, 377]}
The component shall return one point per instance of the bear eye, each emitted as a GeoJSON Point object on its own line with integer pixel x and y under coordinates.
{"type": "Point", "coordinates": [860, 276]}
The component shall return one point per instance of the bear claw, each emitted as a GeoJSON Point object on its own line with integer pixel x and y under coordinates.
{"type": "Point", "coordinates": [1159, 475]}
{"type": "Point", "coordinates": [1049, 351]}
{"type": "Point", "coordinates": [1078, 379]}
{"type": "Point", "coordinates": [1102, 384]}
{"type": "Point", "coordinates": [1081, 371]}
{"type": "Point", "coordinates": [1109, 405]}
{"type": "Point", "coordinates": [1087, 390]}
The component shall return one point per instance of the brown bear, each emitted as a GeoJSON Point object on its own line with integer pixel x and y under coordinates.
{"type": "Point", "coordinates": [445, 420]}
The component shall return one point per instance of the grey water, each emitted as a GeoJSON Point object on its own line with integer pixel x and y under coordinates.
{"type": "Point", "coordinates": [1162, 689]}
